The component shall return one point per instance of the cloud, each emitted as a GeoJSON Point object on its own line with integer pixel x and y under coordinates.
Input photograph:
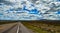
{"type": "Point", "coordinates": [6, 2]}
{"type": "Point", "coordinates": [15, 10]}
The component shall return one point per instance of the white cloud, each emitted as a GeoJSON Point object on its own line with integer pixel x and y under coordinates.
{"type": "Point", "coordinates": [41, 7]}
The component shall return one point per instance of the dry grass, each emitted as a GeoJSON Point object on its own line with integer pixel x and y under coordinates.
{"type": "Point", "coordinates": [43, 27]}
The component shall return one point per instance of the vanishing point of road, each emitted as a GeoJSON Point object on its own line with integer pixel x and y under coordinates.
{"type": "Point", "coordinates": [14, 28]}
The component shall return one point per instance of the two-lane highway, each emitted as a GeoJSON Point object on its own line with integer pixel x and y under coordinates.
{"type": "Point", "coordinates": [17, 28]}
{"type": "Point", "coordinates": [23, 29]}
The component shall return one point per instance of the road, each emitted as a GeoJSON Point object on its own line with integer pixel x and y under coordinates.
{"type": "Point", "coordinates": [17, 28]}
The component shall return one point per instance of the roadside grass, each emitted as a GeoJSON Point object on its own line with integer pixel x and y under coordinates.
{"type": "Point", "coordinates": [43, 27]}
{"type": "Point", "coordinates": [6, 22]}
{"type": "Point", "coordinates": [34, 28]}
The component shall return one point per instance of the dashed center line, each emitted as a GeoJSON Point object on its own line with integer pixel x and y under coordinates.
{"type": "Point", "coordinates": [18, 29]}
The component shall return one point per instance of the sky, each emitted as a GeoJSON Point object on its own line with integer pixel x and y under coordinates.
{"type": "Point", "coordinates": [29, 9]}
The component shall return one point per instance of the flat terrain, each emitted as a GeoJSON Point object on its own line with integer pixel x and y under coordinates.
{"type": "Point", "coordinates": [16, 27]}
{"type": "Point", "coordinates": [4, 27]}
{"type": "Point", "coordinates": [30, 27]}
{"type": "Point", "coordinates": [43, 27]}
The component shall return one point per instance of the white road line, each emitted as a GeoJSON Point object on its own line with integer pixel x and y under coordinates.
{"type": "Point", "coordinates": [18, 29]}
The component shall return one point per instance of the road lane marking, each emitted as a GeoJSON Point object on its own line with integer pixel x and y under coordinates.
{"type": "Point", "coordinates": [18, 29]}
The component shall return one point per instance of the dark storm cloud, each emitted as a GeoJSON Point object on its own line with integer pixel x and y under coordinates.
{"type": "Point", "coordinates": [6, 2]}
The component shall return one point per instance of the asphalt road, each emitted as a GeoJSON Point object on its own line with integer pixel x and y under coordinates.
{"type": "Point", "coordinates": [18, 28]}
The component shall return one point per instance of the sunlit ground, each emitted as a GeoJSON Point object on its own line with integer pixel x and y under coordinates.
{"type": "Point", "coordinates": [43, 27]}
{"type": "Point", "coordinates": [39, 26]}
{"type": "Point", "coordinates": [6, 25]}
